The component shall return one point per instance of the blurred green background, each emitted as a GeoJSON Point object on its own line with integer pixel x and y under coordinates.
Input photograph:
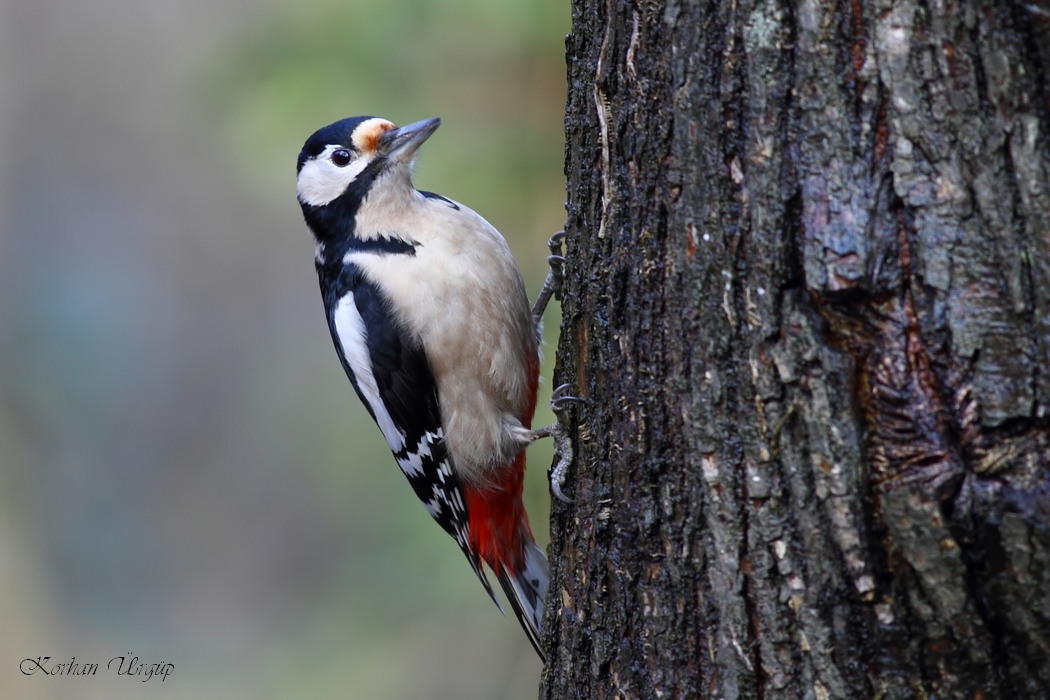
{"type": "Point", "coordinates": [185, 473]}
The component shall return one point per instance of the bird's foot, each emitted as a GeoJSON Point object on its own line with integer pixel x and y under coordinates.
{"type": "Point", "coordinates": [561, 400]}
{"type": "Point", "coordinates": [552, 286]}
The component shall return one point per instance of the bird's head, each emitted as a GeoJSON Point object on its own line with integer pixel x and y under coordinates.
{"type": "Point", "coordinates": [345, 159]}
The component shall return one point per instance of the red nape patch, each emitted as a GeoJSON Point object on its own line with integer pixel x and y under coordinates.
{"type": "Point", "coordinates": [498, 523]}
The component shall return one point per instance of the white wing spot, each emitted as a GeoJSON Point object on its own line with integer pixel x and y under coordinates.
{"type": "Point", "coordinates": [433, 506]}
{"type": "Point", "coordinates": [412, 464]}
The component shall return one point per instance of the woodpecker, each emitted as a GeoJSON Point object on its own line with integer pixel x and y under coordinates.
{"type": "Point", "coordinates": [430, 318]}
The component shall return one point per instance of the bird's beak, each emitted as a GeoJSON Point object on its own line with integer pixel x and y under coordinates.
{"type": "Point", "coordinates": [401, 143]}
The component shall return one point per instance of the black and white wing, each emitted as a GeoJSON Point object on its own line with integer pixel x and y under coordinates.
{"type": "Point", "coordinates": [393, 378]}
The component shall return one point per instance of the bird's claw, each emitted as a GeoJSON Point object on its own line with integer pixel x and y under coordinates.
{"type": "Point", "coordinates": [555, 242]}
{"type": "Point", "coordinates": [561, 399]}
{"type": "Point", "coordinates": [560, 402]}
{"type": "Point", "coordinates": [552, 286]}
{"type": "Point", "coordinates": [556, 261]}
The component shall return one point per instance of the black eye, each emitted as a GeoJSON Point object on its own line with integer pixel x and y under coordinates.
{"type": "Point", "coordinates": [341, 157]}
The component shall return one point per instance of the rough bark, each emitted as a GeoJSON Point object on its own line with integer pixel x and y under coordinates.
{"type": "Point", "coordinates": [808, 307]}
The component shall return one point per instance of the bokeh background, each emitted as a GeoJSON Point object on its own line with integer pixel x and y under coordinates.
{"type": "Point", "coordinates": [185, 473]}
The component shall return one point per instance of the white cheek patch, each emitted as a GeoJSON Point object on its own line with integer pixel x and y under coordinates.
{"type": "Point", "coordinates": [321, 181]}
{"type": "Point", "coordinates": [350, 328]}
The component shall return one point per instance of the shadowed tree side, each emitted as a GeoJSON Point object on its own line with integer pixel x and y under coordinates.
{"type": "Point", "coordinates": [807, 304]}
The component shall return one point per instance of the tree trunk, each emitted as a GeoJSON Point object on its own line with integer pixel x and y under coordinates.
{"type": "Point", "coordinates": [808, 307]}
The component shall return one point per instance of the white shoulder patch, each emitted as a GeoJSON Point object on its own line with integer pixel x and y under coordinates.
{"type": "Point", "coordinates": [321, 181]}
{"type": "Point", "coordinates": [353, 338]}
